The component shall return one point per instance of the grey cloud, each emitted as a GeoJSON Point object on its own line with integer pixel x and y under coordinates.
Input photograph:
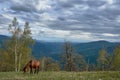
{"type": "Point", "coordinates": [4, 1]}
{"type": "Point", "coordinates": [93, 18]}
{"type": "Point", "coordinates": [117, 2]}
{"type": "Point", "coordinates": [95, 3]}
{"type": "Point", "coordinates": [90, 3]}
{"type": "Point", "coordinates": [26, 6]}
{"type": "Point", "coordinates": [61, 18]}
{"type": "Point", "coordinates": [71, 18]}
{"type": "Point", "coordinates": [23, 8]}
{"type": "Point", "coordinates": [65, 4]}
{"type": "Point", "coordinates": [110, 38]}
{"type": "Point", "coordinates": [3, 20]}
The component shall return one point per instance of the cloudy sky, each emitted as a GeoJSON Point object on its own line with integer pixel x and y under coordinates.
{"type": "Point", "coordinates": [72, 20]}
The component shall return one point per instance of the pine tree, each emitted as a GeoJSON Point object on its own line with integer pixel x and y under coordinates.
{"type": "Point", "coordinates": [68, 56]}
{"type": "Point", "coordinates": [71, 60]}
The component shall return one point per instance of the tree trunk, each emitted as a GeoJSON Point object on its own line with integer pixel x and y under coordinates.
{"type": "Point", "coordinates": [19, 63]}
{"type": "Point", "coordinates": [16, 56]}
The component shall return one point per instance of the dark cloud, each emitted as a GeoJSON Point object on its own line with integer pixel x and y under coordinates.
{"type": "Point", "coordinates": [95, 3]}
{"type": "Point", "coordinates": [61, 18]}
{"type": "Point", "coordinates": [24, 8]}
{"type": "Point", "coordinates": [65, 4]}
{"type": "Point", "coordinates": [1, 1]}
{"type": "Point", "coordinates": [92, 16]}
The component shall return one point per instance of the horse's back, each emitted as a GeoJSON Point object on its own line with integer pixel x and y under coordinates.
{"type": "Point", "coordinates": [35, 63]}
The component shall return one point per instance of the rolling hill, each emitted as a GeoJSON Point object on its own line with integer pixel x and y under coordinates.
{"type": "Point", "coordinates": [89, 50]}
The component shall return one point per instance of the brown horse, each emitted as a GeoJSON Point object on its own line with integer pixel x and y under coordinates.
{"type": "Point", "coordinates": [32, 64]}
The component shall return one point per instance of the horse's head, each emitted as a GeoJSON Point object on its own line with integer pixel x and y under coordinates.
{"type": "Point", "coordinates": [25, 69]}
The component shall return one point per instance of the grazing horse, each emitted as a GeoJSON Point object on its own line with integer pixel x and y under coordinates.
{"type": "Point", "coordinates": [32, 64]}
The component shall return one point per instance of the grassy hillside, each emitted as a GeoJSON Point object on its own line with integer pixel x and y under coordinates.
{"type": "Point", "coordinates": [61, 76]}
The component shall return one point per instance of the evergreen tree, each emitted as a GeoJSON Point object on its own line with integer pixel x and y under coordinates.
{"type": "Point", "coordinates": [68, 51]}
{"type": "Point", "coordinates": [71, 60]}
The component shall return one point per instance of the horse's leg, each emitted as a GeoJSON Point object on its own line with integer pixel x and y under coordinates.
{"type": "Point", "coordinates": [35, 70]}
{"type": "Point", "coordinates": [31, 72]}
{"type": "Point", "coordinates": [38, 69]}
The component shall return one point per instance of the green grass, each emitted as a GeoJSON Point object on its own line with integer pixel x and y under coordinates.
{"type": "Point", "coordinates": [107, 75]}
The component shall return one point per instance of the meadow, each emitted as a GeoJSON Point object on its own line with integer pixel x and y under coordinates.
{"type": "Point", "coordinates": [106, 75]}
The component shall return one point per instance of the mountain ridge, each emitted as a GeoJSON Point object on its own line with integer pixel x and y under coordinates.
{"type": "Point", "coordinates": [89, 50]}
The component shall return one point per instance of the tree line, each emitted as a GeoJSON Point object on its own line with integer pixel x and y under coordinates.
{"type": "Point", "coordinates": [17, 51]}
